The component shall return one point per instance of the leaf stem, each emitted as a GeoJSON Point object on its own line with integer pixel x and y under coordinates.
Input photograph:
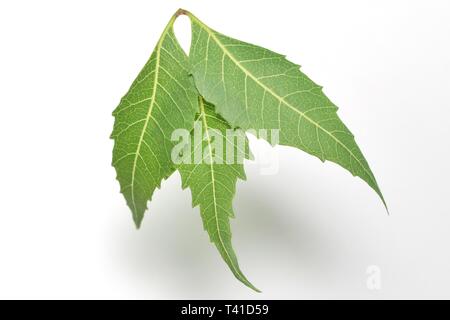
{"type": "Point", "coordinates": [183, 12]}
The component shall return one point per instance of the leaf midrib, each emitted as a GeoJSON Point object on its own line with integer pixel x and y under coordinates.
{"type": "Point", "coordinates": [147, 120]}
{"type": "Point", "coordinates": [216, 217]}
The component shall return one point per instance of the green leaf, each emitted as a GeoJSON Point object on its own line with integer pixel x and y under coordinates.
{"type": "Point", "coordinates": [213, 181]}
{"type": "Point", "coordinates": [254, 88]}
{"type": "Point", "coordinates": [160, 100]}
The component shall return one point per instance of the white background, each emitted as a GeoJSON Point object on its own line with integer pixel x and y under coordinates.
{"type": "Point", "coordinates": [310, 231]}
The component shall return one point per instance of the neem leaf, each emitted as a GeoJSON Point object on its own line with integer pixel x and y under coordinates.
{"type": "Point", "coordinates": [212, 178]}
{"type": "Point", "coordinates": [254, 88]}
{"type": "Point", "coordinates": [160, 100]}
{"type": "Point", "coordinates": [251, 88]}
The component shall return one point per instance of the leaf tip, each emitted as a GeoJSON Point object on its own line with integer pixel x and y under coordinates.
{"type": "Point", "coordinates": [138, 217]}
{"type": "Point", "coordinates": [385, 204]}
{"type": "Point", "coordinates": [137, 221]}
{"type": "Point", "coordinates": [378, 191]}
{"type": "Point", "coordinates": [251, 286]}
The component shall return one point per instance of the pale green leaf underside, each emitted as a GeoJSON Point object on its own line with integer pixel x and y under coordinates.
{"type": "Point", "coordinates": [254, 88]}
{"type": "Point", "coordinates": [213, 187]}
{"type": "Point", "coordinates": [251, 88]}
{"type": "Point", "coordinates": [160, 100]}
